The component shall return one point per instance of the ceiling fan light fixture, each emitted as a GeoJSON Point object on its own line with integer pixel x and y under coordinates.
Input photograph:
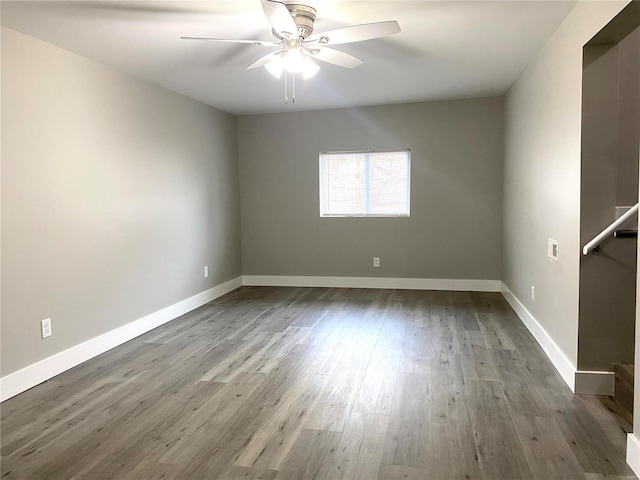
{"type": "Point", "coordinates": [293, 63]}
{"type": "Point", "coordinates": [275, 66]}
{"type": "Point", "coordinates": [310, 68]}
{"type": "Point", "coordinates": [294, 60]}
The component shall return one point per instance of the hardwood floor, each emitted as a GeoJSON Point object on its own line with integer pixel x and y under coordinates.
{"type": "Point", "coordinates": [300, 383]}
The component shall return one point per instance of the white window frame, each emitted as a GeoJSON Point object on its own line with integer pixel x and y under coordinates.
{"type": "Point", "coordinates": [366, 153]}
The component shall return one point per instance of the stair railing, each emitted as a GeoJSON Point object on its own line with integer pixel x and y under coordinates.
{"type": "Point", "coordinates": [598, 239]}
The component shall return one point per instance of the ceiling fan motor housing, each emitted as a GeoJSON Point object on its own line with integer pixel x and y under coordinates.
{"type": "Point", "coordinates": [304, 16]}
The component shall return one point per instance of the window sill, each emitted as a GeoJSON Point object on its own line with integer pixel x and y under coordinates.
{"type": "Point", "coordinates": [403, 215]}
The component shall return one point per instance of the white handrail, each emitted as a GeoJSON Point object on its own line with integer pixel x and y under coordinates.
{"type": "Point", "coordinates": [597, 240]}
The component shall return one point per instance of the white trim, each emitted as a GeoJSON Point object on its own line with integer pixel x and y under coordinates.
{"type": "Point", "coordinates": [563, 365]}
{"type": "Point", "coordinates": [30, 376]}
{"type": "Point", "coordinates": [594, 383]}
{"type": "Point", "coordinates": [373, 282]}
{"type": "Point", "coordinates": [633, 453]}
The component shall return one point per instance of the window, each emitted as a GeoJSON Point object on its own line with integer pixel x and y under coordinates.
{"type": "Point", "coordinates": [365, 184]}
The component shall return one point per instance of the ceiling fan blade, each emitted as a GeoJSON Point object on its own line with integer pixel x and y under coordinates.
{"type": "Point", "coordinates": [263, 60]}
{"type": "Point", "coordinates": [279, 17]}
{"type": "Point", "coordinates": [336, 57]}
{"type": "Point", "coordinates": [356, 33]}
{"type": "Point", "coordinates": [228, 40]}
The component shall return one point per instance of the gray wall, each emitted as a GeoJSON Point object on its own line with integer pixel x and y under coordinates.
{"type": "Point", "coordinates": [609, 177]}
{"type": "Point", "coordinates": [456, 192]}
{"type": "Point", "coordinates": [636, 380]}
{"type": "Point", "coordinates": [629, 118]}
{"type": "Point", "coordinates": [115, 194]}
{"type": "Point", "coordinates": [542, 176]}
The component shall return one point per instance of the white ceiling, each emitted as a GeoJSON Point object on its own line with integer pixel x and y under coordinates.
{"type": "Point", "coordinates": [447, 49]}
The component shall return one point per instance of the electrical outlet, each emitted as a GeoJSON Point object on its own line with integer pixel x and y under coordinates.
{"type": "Point", "coordinates": [45, 327]}
{"type": "Point", "coordinates": [206, 272]}
{"type": "Point", "coordinates": [533, 293]}
{"type": "Point", "coordinates": [376, 262]}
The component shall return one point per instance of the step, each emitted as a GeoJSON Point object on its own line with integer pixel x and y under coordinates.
{"type": "Point", "coordinates": [624, 370]}
{"type": "Point", "coordinates": [623, 393]}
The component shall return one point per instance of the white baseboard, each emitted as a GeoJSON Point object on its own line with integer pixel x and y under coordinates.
{"type": "Point", "coordinates": [34, 374]}
{"type": "Point", "coordinates": [373, 282]}
{"type": "Point", "coordinates": [562, 364]}
{"type": "Point", "coordinates": [579, 381]}
{"type": "Point", "coordinates": [582, 382]}
{"type": "Point", "coordinates": [633, 453]}
{"type": "Point", "coordinates": [594, 383]}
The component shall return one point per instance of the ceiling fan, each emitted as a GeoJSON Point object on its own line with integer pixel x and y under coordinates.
{"type": "Point", "coordinates": [297, 45]}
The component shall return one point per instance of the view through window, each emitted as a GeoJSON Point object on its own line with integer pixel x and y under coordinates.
{"type": "Point", "coordinates": [365, 183]}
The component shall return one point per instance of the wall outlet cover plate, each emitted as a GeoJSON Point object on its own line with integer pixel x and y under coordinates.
{"type": "Point", "coordinates": [45, 327]}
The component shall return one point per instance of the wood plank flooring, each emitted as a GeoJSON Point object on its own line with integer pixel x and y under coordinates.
{"type": "Point", "coordinates": [318, 383]}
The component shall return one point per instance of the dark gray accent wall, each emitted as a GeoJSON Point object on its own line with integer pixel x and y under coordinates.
{"type": "Point", "coordinates": [609, 177]}
{"type": "Point", "coordinates": [454, 231]}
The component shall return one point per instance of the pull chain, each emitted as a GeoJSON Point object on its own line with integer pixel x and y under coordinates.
{"type": "Point", "coordinates": [286, 98]}
{"type": "Point", "coordinates": [286, 88]}
{"type": "Point", "coordinates": [293, 86]}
